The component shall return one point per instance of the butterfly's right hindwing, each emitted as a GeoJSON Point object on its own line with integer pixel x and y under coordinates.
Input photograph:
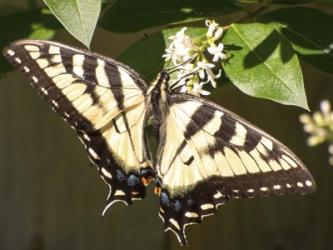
{"type": "Point", "coordinates": [209, 155]}
{"type": "Point", "coordinates": [102, 99]}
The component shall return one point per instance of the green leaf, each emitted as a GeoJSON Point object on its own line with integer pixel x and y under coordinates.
{"type": "Point", "coordinates": [263, 64]}
{"type": "Point", "coordinates": [27, 24]}
{"type": "Point", "coordinates": [309, 31]}
{"type": "Point", "coordinates": [79, 17]}
{"type": "Point", "coordinates": [276, 75]}
{"type": "Point", "coordinates": [131, 16]}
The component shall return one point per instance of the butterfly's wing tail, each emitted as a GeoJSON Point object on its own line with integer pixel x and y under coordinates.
{"type": "Point", "coordinates": [209, 155]}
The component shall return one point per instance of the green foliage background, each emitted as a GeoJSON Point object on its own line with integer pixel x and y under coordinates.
{"type": "Point", "coordinates": [50, 199]}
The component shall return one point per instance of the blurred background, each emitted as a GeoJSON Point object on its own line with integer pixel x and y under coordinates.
{"type": "Point", "coordinates": [51, 197]}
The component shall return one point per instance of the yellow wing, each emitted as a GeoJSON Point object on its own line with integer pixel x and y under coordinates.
{"type": "Point", "coordinates": [102, 99]}
{"type": "Point", "coordinates": [209, 155]}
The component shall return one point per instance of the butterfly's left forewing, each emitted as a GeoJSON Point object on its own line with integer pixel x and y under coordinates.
{"type": "Point", "coordinates": [102, 99]}
{"type": "Point", "coordinates": [209, 155]}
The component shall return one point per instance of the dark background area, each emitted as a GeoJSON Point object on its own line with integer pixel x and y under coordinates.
{"type": "Point", "coordinates": [51, 197]}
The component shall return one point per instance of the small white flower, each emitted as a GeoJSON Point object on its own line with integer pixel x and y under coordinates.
{"type": "Point", "coordinates": [330, 149]}
{"type": "Point", "coordinates": [203, 67]}
{"type": "Point", "coordinates": [168, 54]}
{"type": "Point", "coordinates": [318, 118]}
{"type": "Point", "coordinates": [179, 36]}
{"type": "Point", "coordinates": [218, 34]}
{"type": "Point", "coordinates": [211, 76]}
{"type": "Point", "coordinates": [325, 106]}
{"type": "Point", "coordinates": [305, 118]}
{"type": "Point", "coordinates": [190, 57]}
{"type": "Point", "coordinates": [197, 90]}
{"type": "Point", "coordinates": [183, 81]}
{"type": "Point", "coordinates": [185, 73]}
{"type": "Point", "coordinates": [184, 89]}
{"type": "Point", "coordinates": [310, 128]}
{"type": "Point", "coordinates": [216, 51]}
{"type": "Point", "coordinates": [320, 127]}
{"type": "Point", "coordinates": [315, 140]}
{"type": "Point", "coordinates": [180, 48]}
{"type": "Point", "coordinates": [214, 30]}
{"type": "Point", "coordinates": [186, 69]}
{"type": "Point", "coordinates": [212, 27]}
{"type": "Point", "coordinates": [330, 160]}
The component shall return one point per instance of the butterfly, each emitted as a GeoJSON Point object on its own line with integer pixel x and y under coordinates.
{"type": "Point", "coordinates": [206, 156]}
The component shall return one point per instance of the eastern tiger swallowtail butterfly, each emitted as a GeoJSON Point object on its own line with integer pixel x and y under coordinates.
{"type": "Point", "coordinates": [206, 156]}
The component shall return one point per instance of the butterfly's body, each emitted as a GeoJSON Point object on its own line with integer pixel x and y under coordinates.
{"type": "Point", "coordinates": [206, 156]}
{"type": "Point", "coordinates": [159, 92]}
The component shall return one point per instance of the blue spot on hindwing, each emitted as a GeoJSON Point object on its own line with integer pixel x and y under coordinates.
{"type": "Point", "coordinates": [165, 199]}
{"type": "Point", "coordinates": [133, 180]}
{"type": "Point", "coordinates": [177, 206]}
{"type": "Point", "coordinates": [120, 175]}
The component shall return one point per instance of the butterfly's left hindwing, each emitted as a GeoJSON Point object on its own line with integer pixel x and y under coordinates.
{"type": "Point", "coordinates": [209, 155]}
{"type": "Point", "coordinates": [103, 100]}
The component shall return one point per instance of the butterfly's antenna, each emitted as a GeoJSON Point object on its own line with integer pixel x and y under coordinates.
{"type": "Point", "coordinates": [178, 81]}
{"type": "Point", "coordinates": [175, 68]}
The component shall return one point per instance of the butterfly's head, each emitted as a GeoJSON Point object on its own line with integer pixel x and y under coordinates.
{"type": "Point", "coordinates": [162, 81]}
{"type": "Point", "coordinates": [164, 76]}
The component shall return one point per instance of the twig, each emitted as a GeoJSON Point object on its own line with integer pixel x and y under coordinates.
{"type": "Point", "coordinates": [105, 9]}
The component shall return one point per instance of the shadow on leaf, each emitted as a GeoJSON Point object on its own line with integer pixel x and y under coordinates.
{"type": "Point", "coordinates": [266, 48]}
{"type": "Point", "coordinates": [309, 31]}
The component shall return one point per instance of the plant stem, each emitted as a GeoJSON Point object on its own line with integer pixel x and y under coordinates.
{"type": "Point", "coordinates": [106, 8]}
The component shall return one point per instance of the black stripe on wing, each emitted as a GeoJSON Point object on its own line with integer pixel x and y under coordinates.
{"type": "Point", "coordinates": [249, 163]}
{"type": "Point", "coordinates": [124, 186]}
{"type": "Point", "coordinates": [18, 56]}
{"type": "Point", "coordinates": [283, 165]}
{"type": "Point", "coordinates": [53, 67]}
{"type": "Point", "coordinates": [191, 207]}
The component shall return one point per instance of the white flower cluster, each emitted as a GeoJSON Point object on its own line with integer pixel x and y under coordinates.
{"type": "Point", "coordinates": [189, 56]}
{"type": "Point", "coordinates": [320, 126]}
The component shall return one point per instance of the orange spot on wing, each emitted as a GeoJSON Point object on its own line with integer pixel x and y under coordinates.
{"type": "Point", "coordinates": [146, 181]}
{"type": "Point", "coordinates": [157, 191]}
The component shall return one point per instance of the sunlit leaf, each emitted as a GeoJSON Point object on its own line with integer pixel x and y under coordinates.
{"type": "Point", "coordinates": [79, 17]}
{"type": "Point", "coordinates": [264, 65]}
{"type": "Point", "coordinates": [309, 31]}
